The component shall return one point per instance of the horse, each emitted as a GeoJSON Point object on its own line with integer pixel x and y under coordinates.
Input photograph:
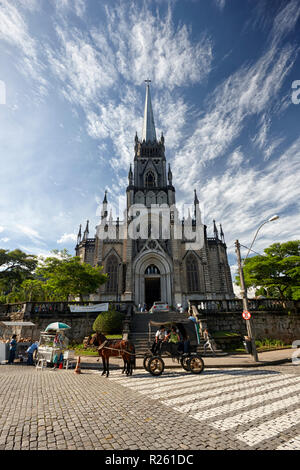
{"type": "Point", "coordinates": [111, 348]}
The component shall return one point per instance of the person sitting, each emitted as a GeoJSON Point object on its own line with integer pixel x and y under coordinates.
{"type": "Point", "coordinates": [173, 340]}
{"type": "Point", "coordinates": [160, 337]}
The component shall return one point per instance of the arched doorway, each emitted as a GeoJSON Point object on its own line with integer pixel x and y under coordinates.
{"type": "Point", "coordinates": [152, 272]}
{"type": "Point", "coordinates": [152, 285]}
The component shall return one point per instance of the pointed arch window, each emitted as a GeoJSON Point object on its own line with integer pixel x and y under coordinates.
{"type": "Point", "coordinates": [150, 179]}
{"type": "Point", "coordinates": [192, 274]}
{"type": "Point", "coordinates": [112, 271]}
{"type": "Point", "coordinates": [152, 269]}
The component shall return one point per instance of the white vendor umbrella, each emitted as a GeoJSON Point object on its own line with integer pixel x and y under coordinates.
{"type": "Point", "coordinates": [57, 326]}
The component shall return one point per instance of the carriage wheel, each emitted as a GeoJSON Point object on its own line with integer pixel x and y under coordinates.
{"type": "Point", "coordinates": [195, 364]}
{"type": "Point", "coordinates": [184, 362]}
{"type": "Point", "coordinates": [156, 365]}
{"type": "Point", "coordinates": [146, 361]}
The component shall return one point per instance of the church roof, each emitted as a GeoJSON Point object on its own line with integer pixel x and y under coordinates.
{"type": "Point", "coordinates": [149, 132]}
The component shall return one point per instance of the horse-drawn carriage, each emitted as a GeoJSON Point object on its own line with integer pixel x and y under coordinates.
{"type": "Point", "coordinates": [184, 352]}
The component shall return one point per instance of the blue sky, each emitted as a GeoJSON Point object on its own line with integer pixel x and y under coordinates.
{"type": "Point", "coordinates": [222, 74]}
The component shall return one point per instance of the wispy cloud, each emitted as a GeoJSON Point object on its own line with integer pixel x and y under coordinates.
{"type": "Point", "coordinates": [220, 4]}
{"type": "Point", "coordinates": [14, 30]}
{"type": "Point", "coordinates": [242, 198]}
{"type": "Point", "coordinates": [249, 91]}
{"type": "Point", "coordinates": [29, 232]}
{"type": "Point", "coordinates": [67, 237]}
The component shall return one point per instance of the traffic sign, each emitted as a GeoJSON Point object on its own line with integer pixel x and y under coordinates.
{"type": "Point", "coordinates": [246, 315]}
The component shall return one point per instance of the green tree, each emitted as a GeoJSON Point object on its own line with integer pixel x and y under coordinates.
{"type": "Point", "coordinates": [278, 271]}
{"type": "Point", "coordinates": [15, 267]}
{"type": "Point", "coordinates": [66, 276]}
{"type": "Point", "coordinates": [108, 322]}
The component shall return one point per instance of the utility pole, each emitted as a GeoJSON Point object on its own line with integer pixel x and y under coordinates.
{"type": "Point", "coordinates": [249, 323]}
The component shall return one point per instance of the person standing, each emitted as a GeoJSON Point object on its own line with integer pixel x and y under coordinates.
{"type": "Point", "coordinates": [208, 341]}
{"type": "Point", "coordinates": [12, 349]}
{"type": "Point", "coordinates": [30, 351]}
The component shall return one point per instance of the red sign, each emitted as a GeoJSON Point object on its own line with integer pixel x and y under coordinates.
{"type": "Point", "coordinates": [246, 315]}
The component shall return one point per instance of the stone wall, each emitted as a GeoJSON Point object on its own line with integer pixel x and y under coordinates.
{"type": "Point", "coordinates": [273, 325]}
{"type": "Point", "coordinates": [81, 323]}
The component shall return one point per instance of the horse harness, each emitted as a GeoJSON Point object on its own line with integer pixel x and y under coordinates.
{"type": "Point", "coordinates": [102, 346]}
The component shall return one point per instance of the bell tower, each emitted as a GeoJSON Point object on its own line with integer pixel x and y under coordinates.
{"type": "Point", "coordinates": [149, 182]}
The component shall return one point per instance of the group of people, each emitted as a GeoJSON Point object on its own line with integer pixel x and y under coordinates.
{"type": "Point", "coordinates": [13, 350]}
{"type": "Point", "coordinates": [59, 343]}
{"type": "Point", "coordinates": [178, 341]}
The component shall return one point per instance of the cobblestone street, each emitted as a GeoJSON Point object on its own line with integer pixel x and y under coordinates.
{"type": "Point", "coordinates": [219, 409]}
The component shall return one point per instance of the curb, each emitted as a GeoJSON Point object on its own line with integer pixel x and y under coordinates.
{"type": "Point", "coordinates": [207, 366]}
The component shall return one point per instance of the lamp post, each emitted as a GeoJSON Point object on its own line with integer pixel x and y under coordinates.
{"type": "Point", "coordinates": [249, 323]}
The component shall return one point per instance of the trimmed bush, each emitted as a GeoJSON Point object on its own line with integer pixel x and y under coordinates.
{"type": "Point", "coordinates": [109, 322]}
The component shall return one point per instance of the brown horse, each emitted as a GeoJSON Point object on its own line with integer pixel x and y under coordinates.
{"type": "Point", "coordinates": [112, 348]}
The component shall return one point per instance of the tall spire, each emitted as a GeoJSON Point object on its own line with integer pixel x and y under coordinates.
{"type": "Point", "coordinates": [149, 132]}
{"type": "Point", "coordinates": [79, 236]}
{"type": "Point", "coordinates": [216, 233]}
{"type": "Point", "coordinates": [86, 232]}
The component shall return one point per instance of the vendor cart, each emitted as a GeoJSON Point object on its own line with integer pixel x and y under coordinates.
{"type": "Point", "coordinates": [49, 352]}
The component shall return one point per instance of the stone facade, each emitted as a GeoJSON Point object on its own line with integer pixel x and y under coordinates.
{"type": "Point", "coordinates": [161, 261]}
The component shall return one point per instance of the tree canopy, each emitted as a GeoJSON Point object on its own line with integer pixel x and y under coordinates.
{"type": "Point", "coordinates": [15, 267]}
{"type": "Point", "coordinates": [67, 276]}
{"type": "Point", "coordinates": [26, 278]}
{"type": "Point", "coordinates": [278, 271]}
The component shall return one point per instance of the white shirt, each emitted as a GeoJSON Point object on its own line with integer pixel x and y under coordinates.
{"type": "Point", "coordinates": [161, 334]}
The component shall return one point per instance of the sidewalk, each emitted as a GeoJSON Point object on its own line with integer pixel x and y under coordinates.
{"type": "Point", "coordinates": [267, 358]}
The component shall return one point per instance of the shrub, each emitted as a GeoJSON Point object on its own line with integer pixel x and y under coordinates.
{"type": "Point", "coordinates": [108, 322]}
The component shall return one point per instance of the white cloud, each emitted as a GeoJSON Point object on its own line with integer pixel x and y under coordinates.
{"type": "Point", "coordinates": [1, 229]}
{"type": "Point", "coordinates": [220, 3]}
{"type": "Point", "coordinates": [242, 199]}
{"type": "Point", "coordinates": [151, 46]}
{"type": "Point", "coordinates": [4, 240]}
{"type": "Point", "coordinates": [83, 70]}
{"type": "Point", "coordinates": [236, 158]}
{"type": "Point", "coordinates": [14, 30]}
{"type": "Point", "coordinates": [77, 6]}
{"type": "Point", "coordinates": [29, 232]}
{"type": "Point", "coordinates": [67, 238]}
{"type": "Point", "coordinates": [247, 92]}
{"type": "Point", "coordinates": [286, 20]}
{"type": "Point", "coordinates": [261, 140]}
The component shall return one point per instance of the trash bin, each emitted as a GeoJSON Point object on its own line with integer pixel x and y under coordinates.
{"type": "Point", "coordinates": [248, 345]}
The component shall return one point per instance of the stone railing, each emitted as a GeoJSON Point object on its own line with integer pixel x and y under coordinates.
{"type": "Point", "coordinates": [31, 308]}
{"type": "Point", "coordinates": [206, 307]}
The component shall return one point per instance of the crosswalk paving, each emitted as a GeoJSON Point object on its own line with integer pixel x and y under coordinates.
{"type": "Point", "coordinates": [255, 404]}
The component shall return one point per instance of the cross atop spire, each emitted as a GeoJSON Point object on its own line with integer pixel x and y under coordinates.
{"type": "Point", "coordinates": [149, 133]}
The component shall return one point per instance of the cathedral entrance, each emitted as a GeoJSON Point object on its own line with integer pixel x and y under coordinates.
{"type": "Point", "coordinates": [152, 285]}
{"type": "Point", "coordinates": [152, 279]}
{"type": "Point", "coordinates": [152, 291]}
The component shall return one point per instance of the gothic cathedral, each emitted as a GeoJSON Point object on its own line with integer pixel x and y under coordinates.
{"type": "Point", "coordinates": [153, 254]}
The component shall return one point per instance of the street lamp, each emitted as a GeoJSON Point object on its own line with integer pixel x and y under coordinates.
{"type": "Point", "coordinates": [249, 322]}
{"type": "Point", "coordinates": [274, 217]}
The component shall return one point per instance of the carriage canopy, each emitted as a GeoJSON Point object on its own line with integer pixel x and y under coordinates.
{"type": "Point", "coordinates": [185, 326]}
